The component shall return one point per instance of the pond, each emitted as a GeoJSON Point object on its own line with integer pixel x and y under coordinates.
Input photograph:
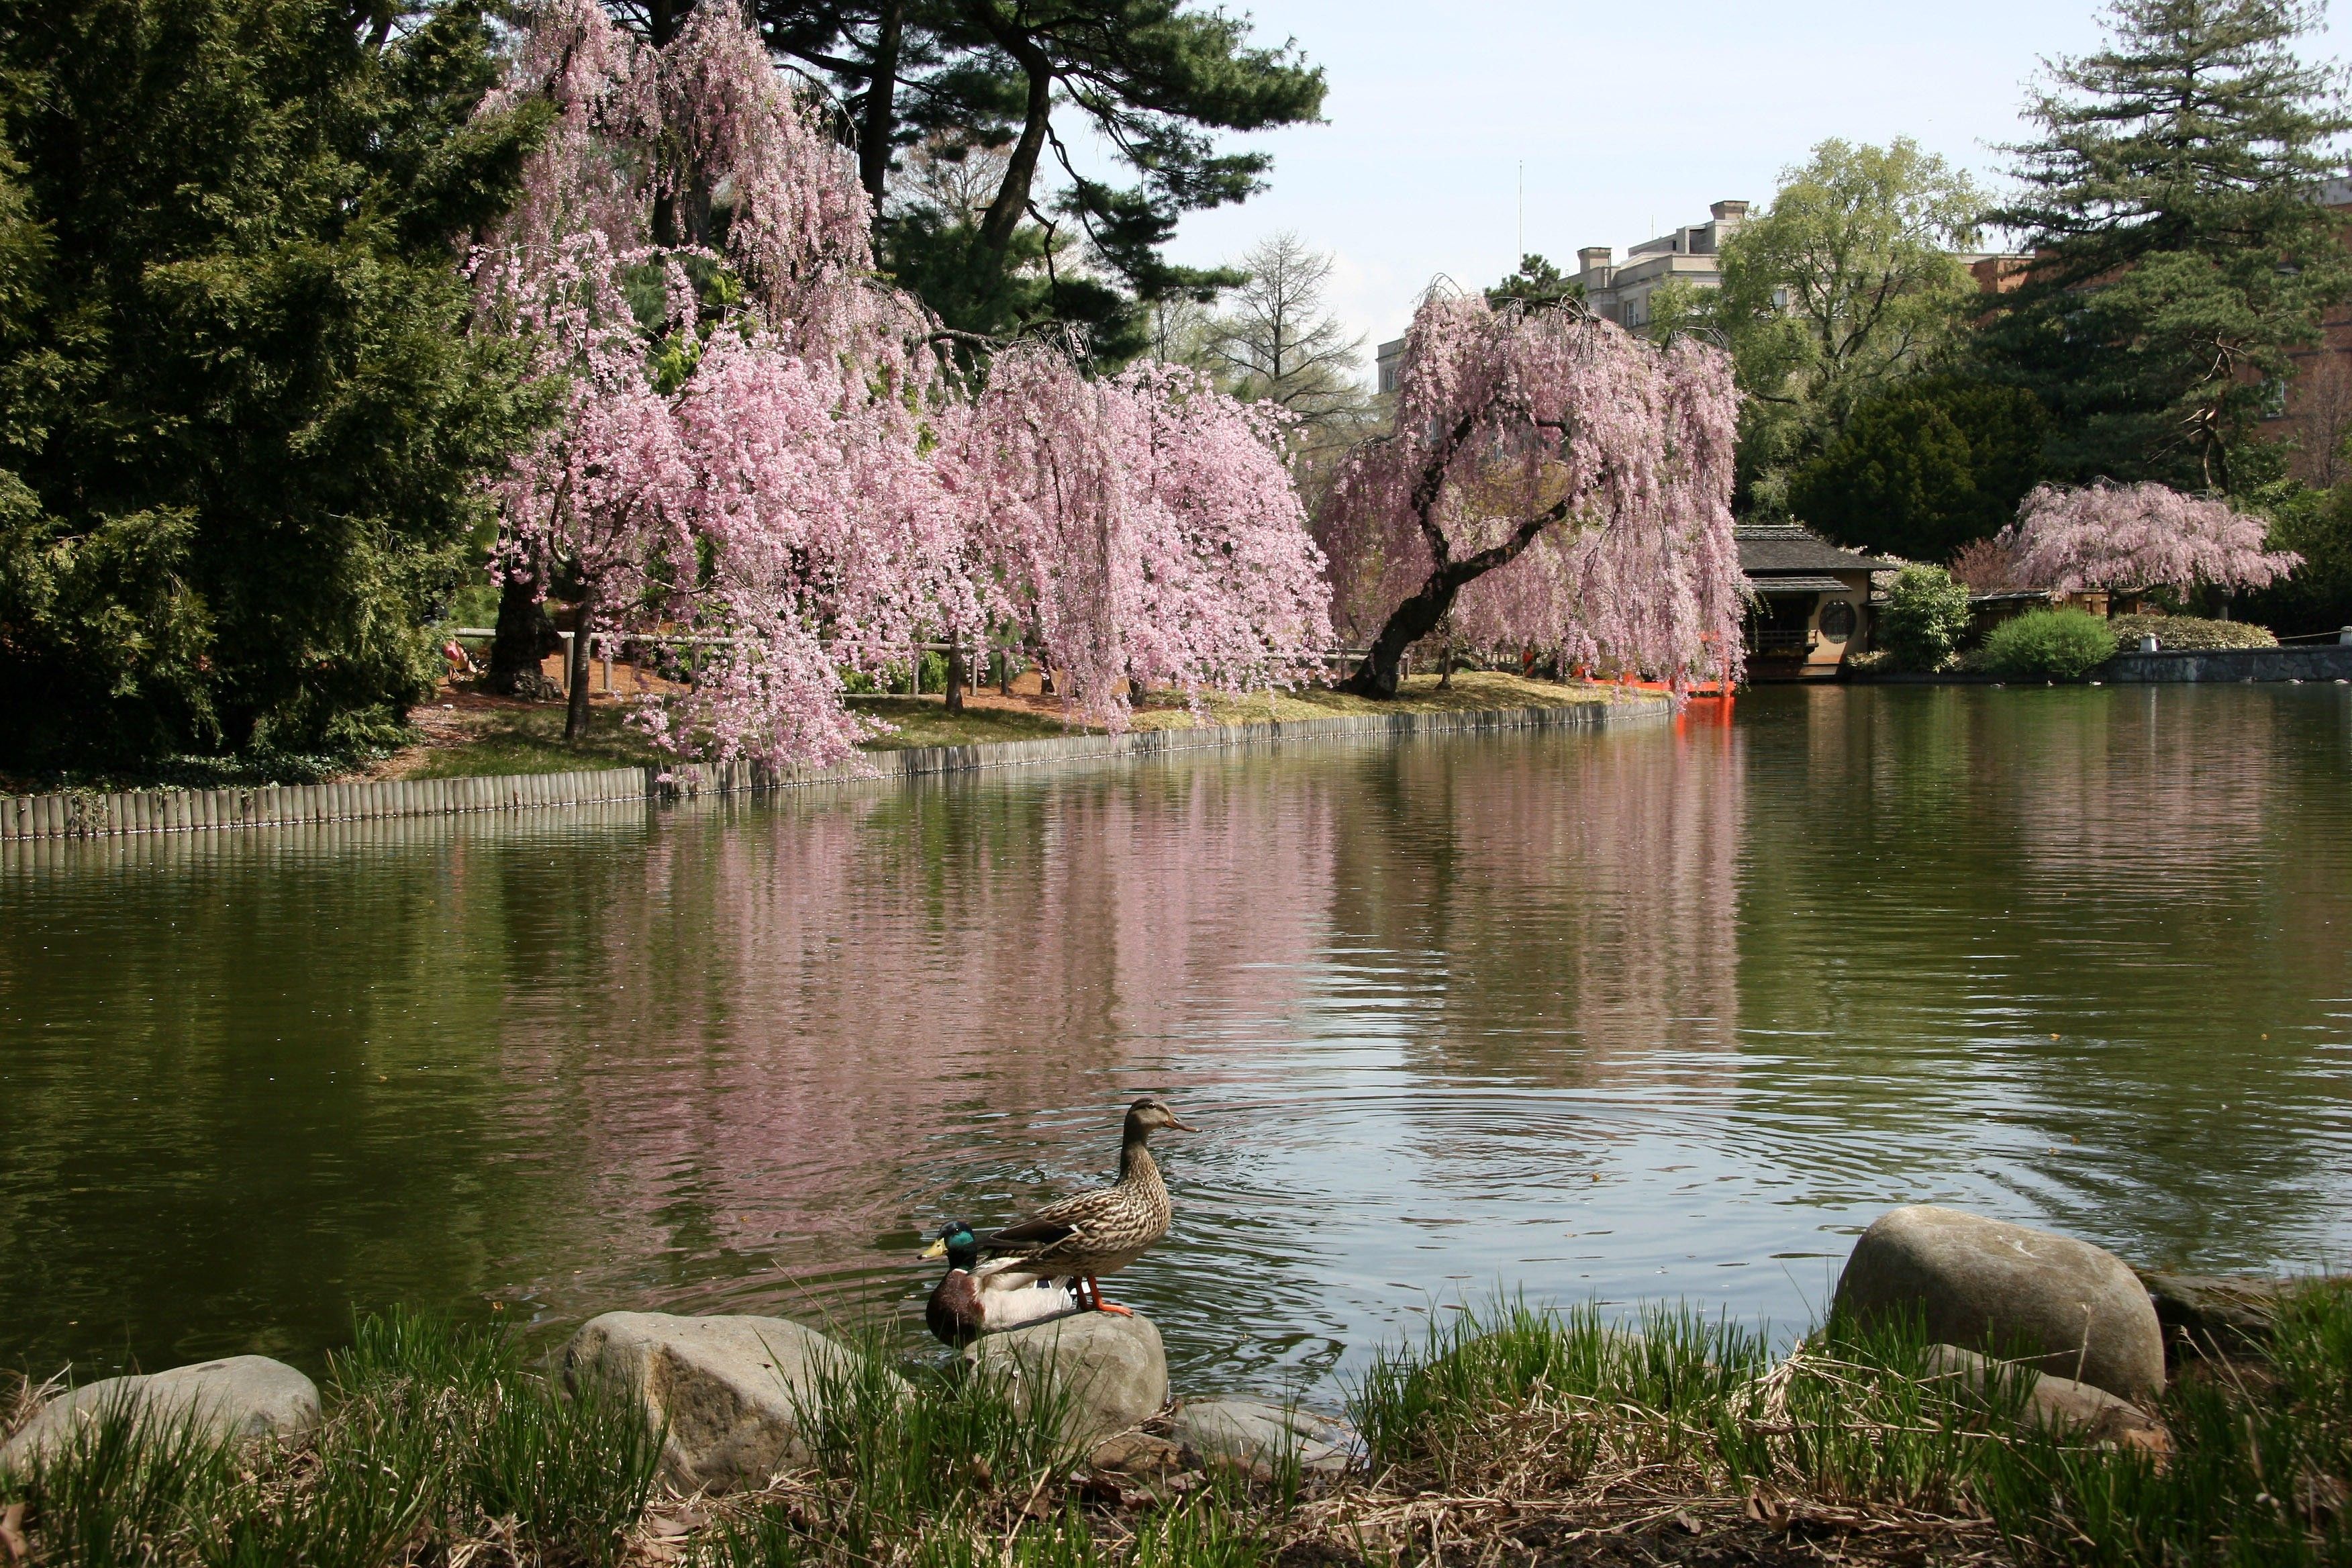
{"type": "Point", "coordinates": [1652, 1014]}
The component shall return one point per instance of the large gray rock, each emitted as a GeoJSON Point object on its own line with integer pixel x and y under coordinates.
{"type": "Point", "coordinates": [2058, 1402]}
{"type": "Point", "coordinates": [2226, 1315]}
{"type": "Point", "coordinates": [2068, 1308]}
{"type": "Point", "coordinates": [735, 1392]}
{"type": "Point", "coordinates": [1108, 1372]}
{"type": "Point", "coordinates": [241, 1399]}
{"type": "Point", "coordinates": [1255, 1435]}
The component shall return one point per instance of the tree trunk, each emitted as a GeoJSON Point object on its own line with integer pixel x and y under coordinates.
{"type": "Point", "coordinates": [1414, 619]}
{"type": "Point", "coordinates": [575, 715]}
{"type": "Point", "coordinates": [525, 636]}
{"type": "Point", "coordinates": [881, 121]}
{"type": "Point", "coordinates": [1004, 216]}
{"type": "Point", "coordinates": [1428, 605]}
{"type": "Point", "coordinates": [955, 675]}
{"type": "Point", "coordinates": [1004, 670]}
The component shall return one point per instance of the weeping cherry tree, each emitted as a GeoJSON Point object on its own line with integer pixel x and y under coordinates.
{"type": "Point", "coordinates": [762, 452]}
{"type": "Point", "coordinates": [2108, 536]}
{"type": "Point", "coordinates": [1552, 482]}
{"type": "Point", "coordinates": [1144, 526]}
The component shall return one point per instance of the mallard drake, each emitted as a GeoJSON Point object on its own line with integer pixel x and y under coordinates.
{"type": "Point", "coordinates": [976, 1298]}
{"type": "Point", "coordinates": [1104, 1230]}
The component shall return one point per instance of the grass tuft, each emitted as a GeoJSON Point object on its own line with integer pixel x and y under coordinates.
{"type": "Point", "coordinates": [1505, 1434]}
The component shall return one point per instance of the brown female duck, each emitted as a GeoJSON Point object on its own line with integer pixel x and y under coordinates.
{"type": "Point", "coordinates": [1103, 1230]}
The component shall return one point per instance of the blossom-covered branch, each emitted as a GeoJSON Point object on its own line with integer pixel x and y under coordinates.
{"type": "Point", "coordinates": [1553, 480]}
{"type": "Point", "coordinates": [762, 445]}
{"type": "Point", "coordinates": [2139, 536]}
{"type": "Point", "coordinates": [1143, 526]}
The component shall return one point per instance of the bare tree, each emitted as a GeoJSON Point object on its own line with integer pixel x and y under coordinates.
{"type": "Point", "coordinates": [1183, 332]}
{"type": "Point", "coordinates": [2321, 409]}
{"type": "Point", "coordinates": [953, 175]}
{"type": "Point", "coordinates": [1276, 339]}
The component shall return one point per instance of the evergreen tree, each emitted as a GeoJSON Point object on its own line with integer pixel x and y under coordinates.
{"type": "Point", "coordinates": [2181, 249]}
{"type": "Point", "coordinates": [1926, 469]}
{"type": "Point", "coordinates": [244, 427]}
{"type": "Point", "coordinates": [1155, 81]}
{"type": "Point", "coordinates": [1537, 283]}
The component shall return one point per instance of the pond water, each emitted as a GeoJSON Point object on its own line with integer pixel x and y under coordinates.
{"type": "Point", "coordinates": [1653, 1014]}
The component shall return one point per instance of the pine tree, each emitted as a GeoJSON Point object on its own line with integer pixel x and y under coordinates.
{"type": "Point", "coordinates": [242, 426]}
{"type": "Point", "coordinates": [2181, 248]}
{"type": "Point", "coordinates": [1159, 86]}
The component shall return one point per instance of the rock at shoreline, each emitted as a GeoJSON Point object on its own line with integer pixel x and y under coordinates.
{"type": "Point", "coordinates": [1109, 1372]}
{"type": "Point", "coordinates": [2070, 1309]}
{"type": "Point", "coordinates": [2206, 1315]}
{"type": "Point", "coordinates": [1256, 1433]}
{"type": "Point", "coordinates": [733, 1391]}
{"type": "Point", "coordinates": [240, 1399]}
{"type": "Point", "coordinates": [2059, 1403]}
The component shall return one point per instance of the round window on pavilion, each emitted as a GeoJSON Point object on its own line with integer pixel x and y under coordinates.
{"type": "Point", "coordinates": [1837, 620]}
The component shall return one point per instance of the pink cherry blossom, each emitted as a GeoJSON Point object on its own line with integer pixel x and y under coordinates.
{"type": "Point", "coordinates": [2139, 536]}
{"type": "Point", "coordinates": [1143, 528]}
{"type": "Point", "coordinates": [1553, 481]}
{"type": "Point", "coordinates": [780, 468]}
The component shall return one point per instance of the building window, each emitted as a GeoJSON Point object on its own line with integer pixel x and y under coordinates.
{"type": "Point", "coordinates": [1837, 620]}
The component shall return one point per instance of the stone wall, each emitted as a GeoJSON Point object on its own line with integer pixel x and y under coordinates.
{"type": "Point", "coordinates": [2320, 661]}
{"type": "Point", "coordinates": [79, 813]}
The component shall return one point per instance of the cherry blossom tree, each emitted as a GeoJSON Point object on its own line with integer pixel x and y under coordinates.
{"type": "Point", "coordinates": [1552, 481]}
{"type": "Point", "coordinates": [761, 449]}
{"type": "Point", "coordinates": [742, 461]}
{"type": "Point", "coordinates": [1143, 528]}
{"type": "Point", "coordinates": [2139, 536]}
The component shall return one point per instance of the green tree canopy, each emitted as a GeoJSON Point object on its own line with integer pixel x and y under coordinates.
{"type": "Point", "coordinates": [1925, 469]}
{"type": "Point", "coordinates": [1536, 282]}
{"type": "Point", "coordinates": [2179, 250]}
{"type": "Point", "coordinates": [244, 424]}
{"type": "Point", "coordinates": [2316, 597]}
{"type": "Point", "coordinates": [1846, 286]}
{"type": "Point", "coordinates": [1156, 82]}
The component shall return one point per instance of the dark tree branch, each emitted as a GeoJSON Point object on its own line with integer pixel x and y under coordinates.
{"type": "Point", "coordinates": [1429, 604]}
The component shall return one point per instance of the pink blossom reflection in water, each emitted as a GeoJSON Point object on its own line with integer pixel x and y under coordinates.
{"type": "Point", "coordinates": [1600, 1016]}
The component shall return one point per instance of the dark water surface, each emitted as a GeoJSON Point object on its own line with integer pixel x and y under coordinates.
{"type": "Point", "coordinates": [1637, 1015]}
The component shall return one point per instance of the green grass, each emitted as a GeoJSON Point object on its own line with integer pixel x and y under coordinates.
{"type": "Point", "coordinates": [436, 1439]}
{"type": "Point", "coordinates": [1505, 1436]}
{"type": "Point", "coordinates": [925, 722]}
{"type": "Point", "coordinates": [531, 740]}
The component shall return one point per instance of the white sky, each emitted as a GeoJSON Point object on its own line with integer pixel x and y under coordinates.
{"type": "Point", "coordinates": [1631, 118]}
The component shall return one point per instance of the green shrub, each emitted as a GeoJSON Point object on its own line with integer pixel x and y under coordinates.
{"type": "Point", "coordinates": [1926, 614]}
{"type": "Point", "coordinates": [2189, 632]}
{"type": "Point", "coordinates": [2052, 645]}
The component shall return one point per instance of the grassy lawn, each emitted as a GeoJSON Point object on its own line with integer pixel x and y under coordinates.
{"type": "Point", "coordinates": [925, 720]}
{"type": "Point", "coordinates": [522, 739]}
{"type": "Point", "coordinates": [515, 738]}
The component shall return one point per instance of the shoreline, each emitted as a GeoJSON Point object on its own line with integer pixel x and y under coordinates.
{"type": "Point", "coordinates": [1509, 1434]}
{"type": "Point", "coordinates": [87, 814]}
